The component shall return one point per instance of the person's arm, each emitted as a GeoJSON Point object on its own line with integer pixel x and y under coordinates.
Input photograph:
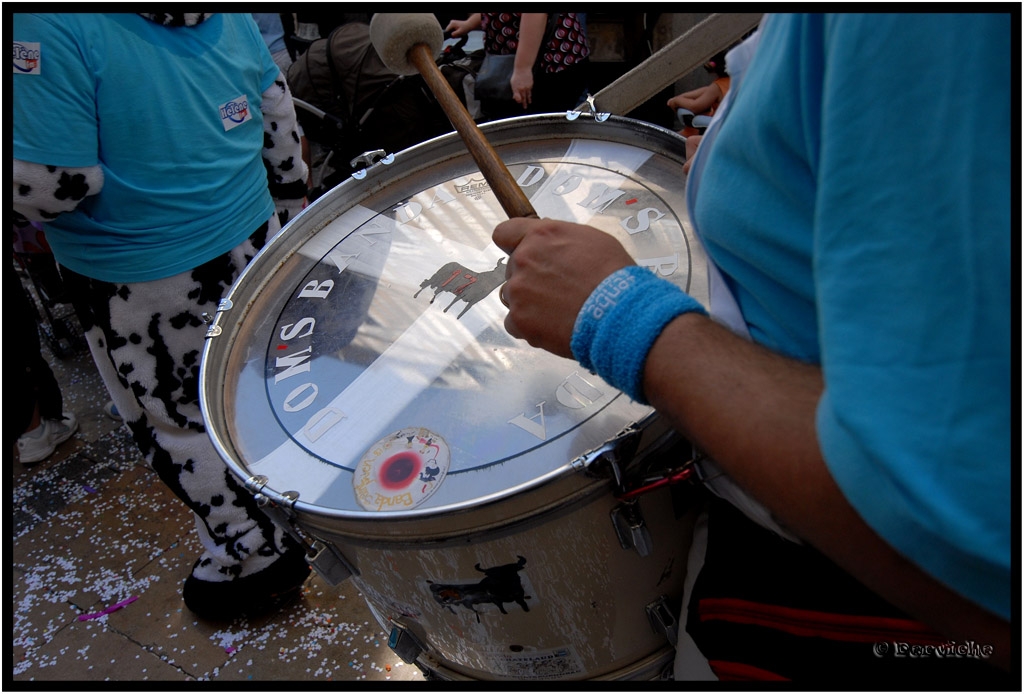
{"type": "Point", "coordinates": [680, 100]}
{"type": "Point", "coordinates": [288, 175]}
{"type": "Point", "coordinates": [43, 192]}
{"type": "Point", "coordinates": [56, 133]}
{"type": "Point", "coordinates": [692, 142]}
{"type": "Point", "coordinates": [751, 410]}
{"type": "Point", "coordinates": [531, 33]}
{"type": "Point", "coordinates": [460, 27]}
{"type": "Point", "coordinates": [697, 100]}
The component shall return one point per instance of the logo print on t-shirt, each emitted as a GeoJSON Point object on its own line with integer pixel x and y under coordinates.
{"type": "Point", "coordinates": [26, 58]}
{"type": "Point", "coordinates": [235, 112]}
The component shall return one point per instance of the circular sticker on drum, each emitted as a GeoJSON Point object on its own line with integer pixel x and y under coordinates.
{"type": "Point", "coordinates": [402, 470]}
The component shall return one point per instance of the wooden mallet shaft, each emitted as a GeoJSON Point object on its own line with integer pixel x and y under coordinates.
{"type": "Point", "coordinates": [511, 197]}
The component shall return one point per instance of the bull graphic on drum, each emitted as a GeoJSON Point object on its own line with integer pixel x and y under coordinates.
{"type": "Point", "coordinates": [499, 585]}
{"type": "Point", "coordinates": [466, 284]}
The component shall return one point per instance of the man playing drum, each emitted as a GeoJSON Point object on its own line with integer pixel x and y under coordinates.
{"type": "Point", "coordinates": [853, 377]}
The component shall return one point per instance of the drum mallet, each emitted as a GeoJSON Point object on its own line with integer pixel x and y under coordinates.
{"type": "Point", "coordinates": [407, 44]}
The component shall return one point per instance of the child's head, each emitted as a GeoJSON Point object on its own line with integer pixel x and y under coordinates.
{"type": "Point", "coordinates": [716, 65]}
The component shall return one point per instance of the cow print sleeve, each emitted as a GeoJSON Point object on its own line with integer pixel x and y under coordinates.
{"type": "Point", "coordinates": [282, 151]}
{"type": "Point", "coordinates": [42, 192]}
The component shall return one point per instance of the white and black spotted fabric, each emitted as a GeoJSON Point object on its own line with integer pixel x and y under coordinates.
{"type": "Point", "coordinates": [146, 339]}
{"type": "Point", "coordinates": [287, 174]}
{"type": "Point", "coordinates": [176, 19]}
{"type": "Point", "coordinates": [43, 192]}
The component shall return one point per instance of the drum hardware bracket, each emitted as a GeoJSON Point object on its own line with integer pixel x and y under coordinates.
{"type": "Point", "coordinates": [215, 330]}
{"type": "Point", "coordinates": [368, 159]}
{"type": "Point", "coordinates": [328, 562]}
{"type": "Point", "coordinates": [631, 528]}
{"type": "Point", "coordinates": [663, 619]}
{"type": "Point", "coordinates": [609, 459]}
{"type": "Point", "coordinates": [589, 103]}
{"type": "Point", "coordinates": [404, 643]}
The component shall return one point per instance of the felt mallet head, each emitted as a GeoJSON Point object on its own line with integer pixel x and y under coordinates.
{"type": "Point", "coordinates": [408, 44]}
{"type": "Point", "coordinates": [393, 34]}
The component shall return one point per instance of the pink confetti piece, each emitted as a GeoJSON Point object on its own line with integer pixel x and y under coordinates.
{"type": "Point", "coordinates": [230, 649]}
{"type": "Point", "coordinates": [113, 608]}
{"type": "Point", "coordinates": [88, 489]}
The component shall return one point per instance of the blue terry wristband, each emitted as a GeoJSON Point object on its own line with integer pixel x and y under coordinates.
{"type": "Point", "coordinates": [620, 321]}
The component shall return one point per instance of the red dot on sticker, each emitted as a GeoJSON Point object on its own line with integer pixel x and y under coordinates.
{"type": "Point", "coordinates": [631, 201]}
{"type": "Point", "coordinates": [399, 470]}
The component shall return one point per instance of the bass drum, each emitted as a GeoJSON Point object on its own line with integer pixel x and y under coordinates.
{"type": "Point", "coordinates": [483, 495]}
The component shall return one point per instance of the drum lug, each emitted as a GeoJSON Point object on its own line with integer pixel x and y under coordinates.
{"type": "Point", "coordinates": [368, 159]}
{"type": "Point", "coordinates": [327, 561]}
{"type": "Point", "coordinates": [600, 117]}
{"type": "Point", "coordinates": [215, 330]}
{"type": "Point", "coordinates": [630, 528]}
{"type": "Point", "coordinates": [404, 643]}
{"type": "Point", "coordinates": [663, 619]}
{"type": "Point", "coordinates": [610, 459]}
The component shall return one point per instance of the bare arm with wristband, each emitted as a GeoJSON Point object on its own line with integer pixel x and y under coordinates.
{"type": "Point", "coordinates": [749, 408]}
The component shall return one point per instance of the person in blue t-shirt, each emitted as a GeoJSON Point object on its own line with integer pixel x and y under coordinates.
{"type": "Point", "coordinates": [852, 390]}
{"type": "Point", "coordinates": [272, 31]}
{"type": "Point", "coordinates": [161, 152]}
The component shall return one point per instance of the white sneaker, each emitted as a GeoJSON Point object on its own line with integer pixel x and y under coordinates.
{"type": "Point", "coordinates": [110, 409]}
{"type": "Point", "coordinates": [40, 443]}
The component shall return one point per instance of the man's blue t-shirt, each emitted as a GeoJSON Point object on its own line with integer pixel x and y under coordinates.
{"type": "Point", "coordinates": [171, 114]}
{"type": "Point", "coordinates": [857, 202]}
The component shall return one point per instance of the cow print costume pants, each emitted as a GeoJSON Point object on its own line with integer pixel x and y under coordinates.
{"type": "Point", "coordinates": [146, 339]}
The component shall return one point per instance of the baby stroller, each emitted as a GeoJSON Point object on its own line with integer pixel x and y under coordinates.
{"type": "Point", "coordinates": [38, 272]}
{"type": "Point", "coordinates": [353, 110]}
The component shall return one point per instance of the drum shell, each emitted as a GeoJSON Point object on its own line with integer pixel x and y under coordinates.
{"type": "Point", "coordinates": [588, 596]}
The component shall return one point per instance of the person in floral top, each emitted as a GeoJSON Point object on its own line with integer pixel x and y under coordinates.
{"type": "Point", "coordinates": [548, 78]}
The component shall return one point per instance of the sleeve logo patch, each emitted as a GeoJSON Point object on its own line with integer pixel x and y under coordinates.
{"type": "Point", "coordinates": [235, 112]}
{"type": "Point", "coordinates": [26, 58]}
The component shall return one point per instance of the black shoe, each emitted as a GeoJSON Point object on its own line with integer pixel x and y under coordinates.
{"type": "Point", "coordinates": [250, 596]}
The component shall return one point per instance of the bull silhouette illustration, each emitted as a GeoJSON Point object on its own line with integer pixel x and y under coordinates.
{"type": "Point", "coordinates": [499, 585]}
{"type": "Point", "coordinates": [465, 284]}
